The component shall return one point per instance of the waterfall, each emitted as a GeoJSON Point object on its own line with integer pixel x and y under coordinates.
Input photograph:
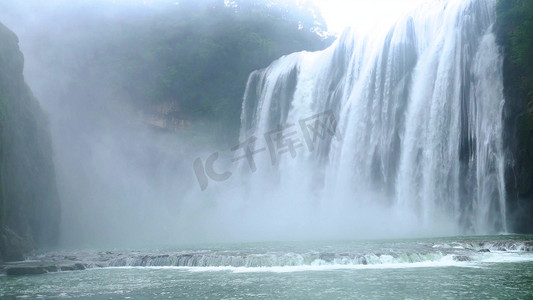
{"type": "Point", "coordinates": [414, 114]}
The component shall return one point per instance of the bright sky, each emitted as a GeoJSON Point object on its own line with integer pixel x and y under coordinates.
{"type": "Point", "coordinates": [340, 14]}
{"type": "Point", "coordinates": [343, 13]}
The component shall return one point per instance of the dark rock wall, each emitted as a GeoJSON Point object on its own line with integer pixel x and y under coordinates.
{"type": "Point", "coordinates": [514, 30]}
{"type": "Point", "coordinates": [29, 203]}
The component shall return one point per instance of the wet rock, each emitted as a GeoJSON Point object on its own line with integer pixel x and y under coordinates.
{"type": "Point", "coordinates": [67, 268]}
{"type": "Point", "coordinates": [25, 270]}
{"type": "Point", "coordinates": [329, 257]}
{"type": "Point", "coordinates": [462, 258]}
{"type": "Point", "coordinates": [484, 250]}
{"type": "Point", "coordinates": [51, 268]}
{"type": "Point", "coordinates": [14, 246]}
{"type": "Point", "coordinates": [74, 267]}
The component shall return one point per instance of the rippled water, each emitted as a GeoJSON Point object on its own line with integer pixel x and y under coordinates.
{"type": "Point", "coordinates": [476, 267]}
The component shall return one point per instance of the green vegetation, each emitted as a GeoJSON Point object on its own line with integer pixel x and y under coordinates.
{"type": "Point", "coordinates": [29, 205]}
{"type": "Point", "coordinates": [185, 64]}
{"type": "Point", "coordinates": [515, 33]}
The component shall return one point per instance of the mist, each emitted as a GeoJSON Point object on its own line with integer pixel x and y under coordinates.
{"type": "Point", "coordinates": [122, 180]}
{"type": "Point", "coordinates": [125, 174]}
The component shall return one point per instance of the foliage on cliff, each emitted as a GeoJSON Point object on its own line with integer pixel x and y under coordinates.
{"type": "Point", "coordinates": [29, 204]}
{"type": "Point", "coordinates": [515, 33]}
{"type": "Point", "coordinates": [191, 58]}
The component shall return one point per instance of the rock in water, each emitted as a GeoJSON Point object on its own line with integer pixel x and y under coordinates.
{"type": "Point", "coordinates": [25, 270]}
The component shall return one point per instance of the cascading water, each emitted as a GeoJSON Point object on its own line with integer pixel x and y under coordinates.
{"type": "Point", "coordinates": [419, 114]}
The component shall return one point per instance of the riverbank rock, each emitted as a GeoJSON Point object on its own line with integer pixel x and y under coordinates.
{"type": "Point", "coordinates": [25, 270]}
{"type": "Point", "coordinates": [14, 246]}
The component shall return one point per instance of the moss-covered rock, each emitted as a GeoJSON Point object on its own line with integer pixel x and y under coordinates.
{"type": "Point", "coordinates": [514, 31]}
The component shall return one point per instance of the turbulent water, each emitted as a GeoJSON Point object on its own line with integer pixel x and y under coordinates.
{"type": "Point", "coordinates": [291, 257]}
{"type": "Point", "coordinates": [404, 122]}
{"type": "Point", "coordinates": [499, 267]}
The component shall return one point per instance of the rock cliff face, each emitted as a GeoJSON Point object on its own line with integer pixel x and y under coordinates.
{"type": "Point", "coordinates": [29, 203]}
{"type": "Point", "coordinates": [514, 31]}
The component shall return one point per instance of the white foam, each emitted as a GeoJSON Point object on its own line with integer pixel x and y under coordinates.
{"type": "Point", "coordinates": [479, 260]}
{"type": "Point", "coordinates": [446, 261]}
{"type": "Point", "coordinates": [505, 257]}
